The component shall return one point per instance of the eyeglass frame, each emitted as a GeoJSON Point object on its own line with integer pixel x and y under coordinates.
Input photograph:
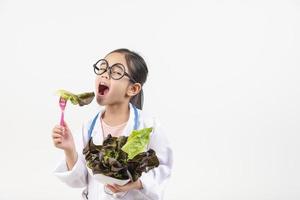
{"type": "Point", "coordinates": [108, 69]}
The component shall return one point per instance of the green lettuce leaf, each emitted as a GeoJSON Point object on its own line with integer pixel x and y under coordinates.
{"type": "Point", "coordinates": [137, 142]}
{"type": "Point", "coordinates": [109, 159]}
{"type": "Point", "coordinates": [81, 99]}
{"type": "Point", "coordinates": [142, 162]}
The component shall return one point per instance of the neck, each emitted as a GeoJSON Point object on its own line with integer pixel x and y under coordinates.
{"type": "Point", "coordinates": [116, 114]}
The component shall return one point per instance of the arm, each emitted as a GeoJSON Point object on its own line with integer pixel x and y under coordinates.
{"type": "Point", "coordinates": [71, 170]}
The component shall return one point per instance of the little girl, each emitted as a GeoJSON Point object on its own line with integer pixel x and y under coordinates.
{"type": "Point", "coordinates": [120, 77]}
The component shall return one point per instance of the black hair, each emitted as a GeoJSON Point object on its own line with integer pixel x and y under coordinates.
{"type": "Point", "coordinates": [138, 70]}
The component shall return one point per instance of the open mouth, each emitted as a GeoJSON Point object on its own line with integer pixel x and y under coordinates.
{"type": "Point", "coordinates": [103, 89]}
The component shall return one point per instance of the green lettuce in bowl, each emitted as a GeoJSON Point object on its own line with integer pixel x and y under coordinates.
{"type": "Point", "coordinates": [121, 158]}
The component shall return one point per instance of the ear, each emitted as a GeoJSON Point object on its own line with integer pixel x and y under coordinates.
{"type": "Point", "coordinates": [134, 89]}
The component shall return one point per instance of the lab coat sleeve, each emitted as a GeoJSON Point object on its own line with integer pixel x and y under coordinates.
{"type": "Point", "coordinates": [155, 180]}
{"type": "Point", "coordinates": [77, 176]}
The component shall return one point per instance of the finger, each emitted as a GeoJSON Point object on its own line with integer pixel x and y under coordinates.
{"type": "Point", "coordinates": [66, 126]}
{"type": "Point", "coordinates": [56, 135]}
{"type": "Point", "coordinates": [129, 186]}
{"type": "Point", "coordinates": [65, 129]}
{"type": "Point", "coordinates": [57, 141]}
{"type": "Point", "coordinates": [123, 188]}
{"type": "Point", "coordinates": [112, 188]}
{"type": "Point", "coordinates": [61, 129]}
{"type": "Point", "coordinates": [58, 132]}
{"type": "Point", "coordinates": [58, 128]}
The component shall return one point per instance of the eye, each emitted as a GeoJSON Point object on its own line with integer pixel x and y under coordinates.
{"type": "Point", "coordinates": [102, 69]}
{"type": "Point", "coordinates": [117, 70]}
{"type": "Point", "coordinates": [117, 73]}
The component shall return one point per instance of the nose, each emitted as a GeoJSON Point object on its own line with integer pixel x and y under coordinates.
{"type": "Point", "coordinates": [105, 75]}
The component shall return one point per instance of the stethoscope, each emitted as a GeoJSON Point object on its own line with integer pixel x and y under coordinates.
{"type": "Point", "coordinates": [90, 131]}
{"type": "Point", "coordinates": [135, 127]}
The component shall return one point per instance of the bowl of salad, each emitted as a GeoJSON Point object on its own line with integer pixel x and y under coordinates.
{"type": "Point", "coordinates": [120, 159]}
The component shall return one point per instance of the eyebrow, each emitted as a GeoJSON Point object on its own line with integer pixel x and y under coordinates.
{"type": "Point", "coordinates": [114, 63]}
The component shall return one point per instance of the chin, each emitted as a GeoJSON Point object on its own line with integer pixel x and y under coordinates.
{"type": "Point", "coordinates": [101, 102]}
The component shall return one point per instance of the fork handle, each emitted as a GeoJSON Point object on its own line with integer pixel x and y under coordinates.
{"type": "Point", "coordinates": [62, 123]}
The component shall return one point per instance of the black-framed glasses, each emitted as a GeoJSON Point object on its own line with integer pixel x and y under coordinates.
{"type": "Point", "coordinates": [116, 71]}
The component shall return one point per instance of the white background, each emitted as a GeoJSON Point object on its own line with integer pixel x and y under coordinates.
{"type": "Point", "coordinates": [224, 82]}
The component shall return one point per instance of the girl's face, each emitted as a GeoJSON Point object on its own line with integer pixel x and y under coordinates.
{"type": "Point", "coordinates": [108, 90]}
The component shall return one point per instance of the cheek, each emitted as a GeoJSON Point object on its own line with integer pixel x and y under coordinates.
{"type": "Point", "coordinates": [120, 87]}
{"type": "Point", "coordinates": [97, 81]}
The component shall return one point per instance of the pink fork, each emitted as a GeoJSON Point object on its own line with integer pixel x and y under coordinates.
{"type": "Point", "coordinates": [62, 105]}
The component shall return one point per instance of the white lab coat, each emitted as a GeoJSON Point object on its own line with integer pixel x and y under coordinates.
{"type": "Point", "coordinates": [154, 181]}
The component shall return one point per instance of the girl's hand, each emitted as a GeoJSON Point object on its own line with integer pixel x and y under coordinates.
{"type": "Point", "coordinates": [129, 186]}
{"type": "Point", "coordinates": [62, 138]}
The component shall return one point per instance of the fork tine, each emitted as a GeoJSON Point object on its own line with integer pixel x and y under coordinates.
{"type": "Point", "coordinates": [62, 102]}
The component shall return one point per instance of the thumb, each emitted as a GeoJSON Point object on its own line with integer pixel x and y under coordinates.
{"type": "Point", "coordinates": [66, 126]}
